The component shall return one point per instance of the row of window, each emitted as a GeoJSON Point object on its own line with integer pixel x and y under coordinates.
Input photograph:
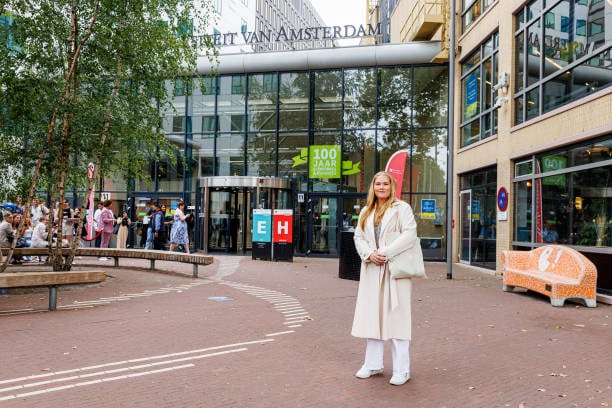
{"type": "Point", "coordinates": [337, 99]}
{"type": "Point", "coordinates": [561, 55]}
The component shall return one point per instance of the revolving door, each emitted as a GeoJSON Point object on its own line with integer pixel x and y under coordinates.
{"type": "Point", "coordinates": [226, 209]}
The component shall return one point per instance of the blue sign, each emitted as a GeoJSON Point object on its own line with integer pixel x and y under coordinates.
{"type": "Point", "coordinates": [262, 225]}
{"type": "Point", "coordinates": [428, 209]}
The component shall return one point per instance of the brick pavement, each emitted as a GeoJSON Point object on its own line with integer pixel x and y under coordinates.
{"type": "Point", "coordinates": [277, 334]}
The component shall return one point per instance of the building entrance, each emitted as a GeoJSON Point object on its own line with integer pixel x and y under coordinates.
{"type": "Point", "coordinates": [226, 209]}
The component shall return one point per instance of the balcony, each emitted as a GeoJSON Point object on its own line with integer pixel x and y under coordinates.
{"type": "Point", "coordinates": [423, 20]}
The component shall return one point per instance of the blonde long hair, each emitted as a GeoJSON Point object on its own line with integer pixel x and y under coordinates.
{"type": "Point", "coordinates": [371, 201]}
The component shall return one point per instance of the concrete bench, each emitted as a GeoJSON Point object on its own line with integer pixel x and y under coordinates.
{"type": "Point", "coordinates": [116, 253]}
{"type": "Point", "coordinates": [556, 271]}
{"type": "Point", "coordinates": [50, 279]}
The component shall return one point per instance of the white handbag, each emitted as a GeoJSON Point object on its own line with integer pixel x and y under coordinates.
{"type": "Point", "coordinates": [408, 264]}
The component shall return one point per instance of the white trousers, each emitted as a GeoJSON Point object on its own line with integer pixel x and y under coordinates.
{"type": "Point", "coordinates": [400, 353]}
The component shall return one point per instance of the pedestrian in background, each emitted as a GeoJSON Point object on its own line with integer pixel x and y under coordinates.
{"type": "Point", "coordinates": [98, 227]}
{"type": "Point", "coordinates": [67, 215]}
{"type": "Point", "coordinates": [159, 228]}
{"type": "Point", "coordinates": [179, 234]}
{"type": "Point", "coordinates": [383, 306]}
{"type": "Point", "coordinates": [146, 220]}
{"type": "Point", "coordinates": [107, 219]}
{"type": "Point", "coordinates": [122, 233]}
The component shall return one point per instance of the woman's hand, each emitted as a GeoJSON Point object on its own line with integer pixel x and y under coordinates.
{"type": "Point", "coordinates": [377, 258]}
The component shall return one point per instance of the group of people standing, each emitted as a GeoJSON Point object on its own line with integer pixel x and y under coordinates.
{"type": "Point", "coordinates": [155, 227]}
{"type": "Point", "coordinates": [40, 221]}
{"type": "Point", "coordinates": [158, 229]}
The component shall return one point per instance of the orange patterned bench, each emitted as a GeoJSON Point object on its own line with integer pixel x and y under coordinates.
{"type": "Point", "coordinates": [556, 271]}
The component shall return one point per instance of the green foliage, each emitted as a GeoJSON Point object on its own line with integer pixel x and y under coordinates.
{"type": "Point", "coordinates": [138, 43]}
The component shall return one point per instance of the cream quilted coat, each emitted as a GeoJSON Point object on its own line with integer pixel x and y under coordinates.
{"type": "Point", "coordinates": [382, 310]}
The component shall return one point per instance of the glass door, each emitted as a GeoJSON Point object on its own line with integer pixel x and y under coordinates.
{"type": "Point", "coordinates": [465, 226]}
{"type": "Point", "coordinates": [324, 225]}
{"type": "Point", "coordinates": [220, 215]}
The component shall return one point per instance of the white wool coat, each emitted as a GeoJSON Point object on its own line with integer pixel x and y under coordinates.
{"type": "Point", "coordinates": [382, 309]}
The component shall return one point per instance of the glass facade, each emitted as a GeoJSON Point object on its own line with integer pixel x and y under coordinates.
{"type": "Point", "coordinates": [329, 131]}
{"type": "Point", "coordinates": [565, 196]}
{"type": "Point", "coordinates": [561, 54]}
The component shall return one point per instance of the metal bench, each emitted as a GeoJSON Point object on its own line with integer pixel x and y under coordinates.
{"type": "Point", "coordinates": [50, 279]}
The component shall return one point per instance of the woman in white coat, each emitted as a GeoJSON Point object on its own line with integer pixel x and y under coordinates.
{"type": "Point", "coordinates": [386, 227]}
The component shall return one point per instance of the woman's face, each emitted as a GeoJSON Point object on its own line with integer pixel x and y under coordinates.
{"type": "Point", "coordinates": [382, 188]}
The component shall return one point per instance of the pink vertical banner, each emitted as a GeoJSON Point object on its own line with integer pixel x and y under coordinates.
{"type": "Point", "coordinates": [90, 227]}
{"type": "Point", "coordinates": [396, 166]}
{"type": "Point", "coordinates": [538, 203]}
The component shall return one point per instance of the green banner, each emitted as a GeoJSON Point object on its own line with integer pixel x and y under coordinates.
{"type": "Point", "coordinates": [324, 161]}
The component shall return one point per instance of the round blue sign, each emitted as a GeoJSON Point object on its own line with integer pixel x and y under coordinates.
{"type": "Point", "coordinates": [502, 199]}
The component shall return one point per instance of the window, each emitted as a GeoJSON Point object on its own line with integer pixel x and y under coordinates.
{"type": "Point", "coordinates": [561, 55]}
{"type": "Point", "coordinates": [182, 87]}
{"type": "Point", "coordinates": [209, 86]}
{"type": "Point", "coordinates": [478, 95]}
{"type": "Point", "coordinates": [238, 84]}
{"type": "Point", "coordinates": [472, 9]}
{"type": "Point", "coordinates": [565, 191]}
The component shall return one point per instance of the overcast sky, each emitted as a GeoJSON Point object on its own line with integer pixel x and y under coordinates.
{"type": "Point", "coordinates": [341, 12]}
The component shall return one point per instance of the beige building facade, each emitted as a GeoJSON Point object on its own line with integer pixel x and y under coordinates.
{"type": "Point", "coordinates": [532, 145]}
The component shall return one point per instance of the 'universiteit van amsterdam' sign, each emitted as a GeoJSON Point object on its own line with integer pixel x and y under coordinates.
{"type": "Point", "coordinates": [291, 35]}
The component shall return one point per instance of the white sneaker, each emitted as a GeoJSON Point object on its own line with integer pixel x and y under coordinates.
{"type": "Point", "coordinates": [365, 373]}
{"type": "Point", "coordinates": [399, 379]}
{"type": "Point", "coordinates": [102, 258]}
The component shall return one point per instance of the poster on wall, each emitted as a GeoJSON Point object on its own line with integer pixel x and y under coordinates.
{"type": "Point", "coordinates": [471, 95]}
{"type": "Point", "coordinates": [428, 209]}
{"type": "Point", "coordinates": [324, 161]}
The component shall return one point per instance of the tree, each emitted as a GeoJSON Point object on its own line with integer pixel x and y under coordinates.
{"type": "Point", "coordinates": [85, 83]}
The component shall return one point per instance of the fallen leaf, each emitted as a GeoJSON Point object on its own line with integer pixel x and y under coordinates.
{"type": "Point", "coordinates": [491, 325]}
{"type": "Point", "coordinates": [562, 395]}
{"type": "Point", "coordinates": [471, 388]}
{"type": "Point", "coordinates": [542, 389]}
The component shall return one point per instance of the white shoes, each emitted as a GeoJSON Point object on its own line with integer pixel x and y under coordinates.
{"type": "Point", "coordinates": [399, 379]}
{"type": "Point", "coordinates": [365, 373]}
